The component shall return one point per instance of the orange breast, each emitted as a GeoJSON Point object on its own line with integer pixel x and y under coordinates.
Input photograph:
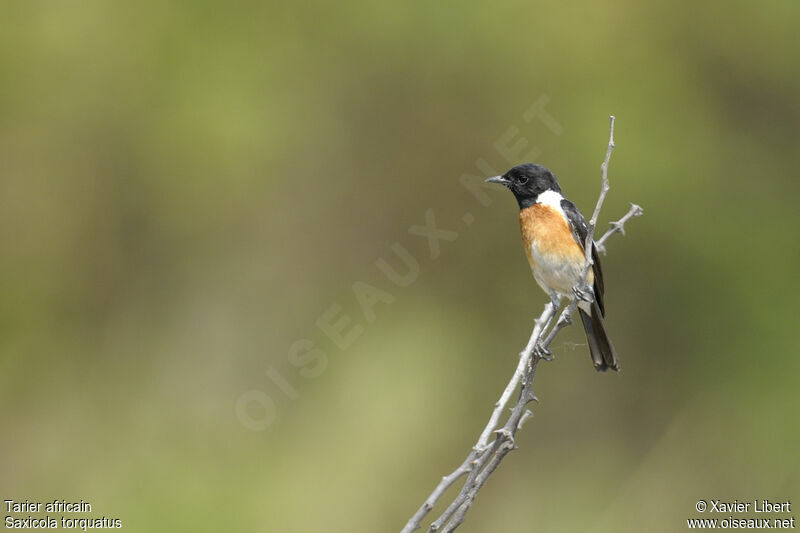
{"type": "Point", "coordinates": [549, 229]}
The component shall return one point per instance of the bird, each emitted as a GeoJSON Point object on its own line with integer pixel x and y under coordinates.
{"type": "Point", "coordinates": [553, 235]}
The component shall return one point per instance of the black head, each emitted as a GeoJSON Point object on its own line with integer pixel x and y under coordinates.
{"type": "Point", "coordinates": [527, 182]}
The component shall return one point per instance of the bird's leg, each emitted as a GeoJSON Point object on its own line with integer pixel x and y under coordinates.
{"type": "Point", "coordinates": [541, 351]}
{"type": "Point", "coordinates": [555, 298]}
{"type": "Point", "coordinates": [564, 320]}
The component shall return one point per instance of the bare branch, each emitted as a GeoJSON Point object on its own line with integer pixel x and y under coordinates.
{"type": "Point", "coordinates": [482, 451]}
{"type": "Point", "coordinates": [587, 246]}
{"type": "Point", "coordinates": [486, 456]}
{"type": "Point", "coordinates": [504, 443]}
{"type": "Point", "coordinates": [443, 485]}
{"type": "Point", "coordinates": [603, 190]}
{"type": "Point", "coordinates": [617, 227]}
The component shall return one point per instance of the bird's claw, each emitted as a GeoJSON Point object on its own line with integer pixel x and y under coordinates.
{"type": "Point", "coordinates": [542, 353]}
{"type": "Point", "coordinates": [584, 293]}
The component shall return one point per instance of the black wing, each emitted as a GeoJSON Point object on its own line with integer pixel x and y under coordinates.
{"type": "Point", "coordinates": [580, 229]}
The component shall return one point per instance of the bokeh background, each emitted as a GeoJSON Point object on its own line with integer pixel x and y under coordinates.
{"type": "Point", "coordinates": [187, 187]}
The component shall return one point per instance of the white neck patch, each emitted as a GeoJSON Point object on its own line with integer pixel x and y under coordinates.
{"type": "Point", "coordinates": [551, 199]}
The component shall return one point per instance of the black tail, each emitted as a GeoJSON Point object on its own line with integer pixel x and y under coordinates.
{"type": "Point", "coordinates": [602, 351]}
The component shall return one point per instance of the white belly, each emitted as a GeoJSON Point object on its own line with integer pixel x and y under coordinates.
{"type": "Point", "coordinates": [554, 273]}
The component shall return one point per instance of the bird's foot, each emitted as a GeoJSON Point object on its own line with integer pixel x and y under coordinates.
{"type": "Point", "coordinates": [540, 352]}
{"type": "Point", "coordinates": [584, 293]}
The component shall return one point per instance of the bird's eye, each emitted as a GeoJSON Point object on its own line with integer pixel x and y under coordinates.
{"type": "Point", "coordinates": [522, 180]}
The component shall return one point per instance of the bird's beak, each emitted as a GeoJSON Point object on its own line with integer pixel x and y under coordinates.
{"type": "Point", "coordinates": [502, 180]}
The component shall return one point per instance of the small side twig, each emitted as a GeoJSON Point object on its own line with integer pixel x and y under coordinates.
{"type": "Point", "coordinates": [485, 456]}
{"type": "Point", "coordinates": [617, 227]}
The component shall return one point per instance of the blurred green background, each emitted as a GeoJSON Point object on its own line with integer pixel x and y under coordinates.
{"type": "Point", "coordinates": [187, 187]}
